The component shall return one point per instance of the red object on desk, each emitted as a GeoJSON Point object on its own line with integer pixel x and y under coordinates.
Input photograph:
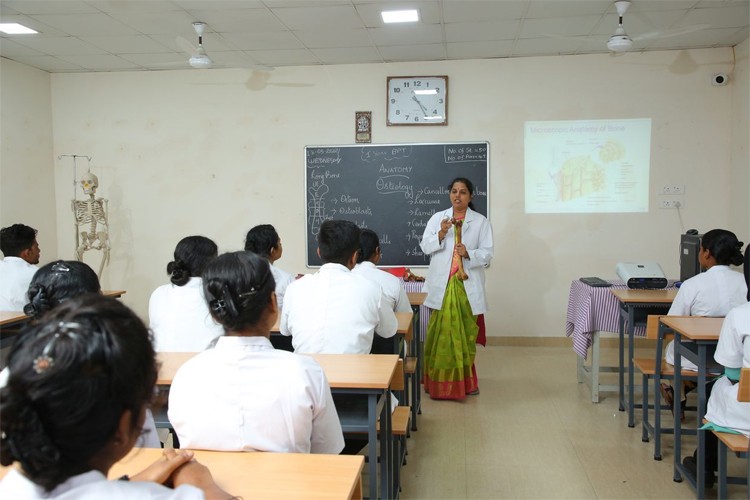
{"type": "Point", "coordinates": [398, 272]}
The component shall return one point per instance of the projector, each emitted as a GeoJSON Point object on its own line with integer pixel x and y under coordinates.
{"type": "Point", "coordinates": [642, 275]}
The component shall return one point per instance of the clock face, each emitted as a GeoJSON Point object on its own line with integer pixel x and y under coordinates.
{"type": "Point", "coordinates": [417, 100]}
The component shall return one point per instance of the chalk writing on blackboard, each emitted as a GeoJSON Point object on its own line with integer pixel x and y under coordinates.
{"type": "Point", "coordinates": [393, 189]}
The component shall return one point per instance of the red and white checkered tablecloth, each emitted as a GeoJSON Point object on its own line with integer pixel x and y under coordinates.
{"type": "Point", "coordinates": [424, 312]}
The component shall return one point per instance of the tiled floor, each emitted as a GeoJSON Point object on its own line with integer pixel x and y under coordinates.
{"type": "Point", "coordinates": [534, 433]}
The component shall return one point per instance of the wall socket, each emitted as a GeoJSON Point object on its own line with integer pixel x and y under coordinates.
{"type": "Point", "coordinates": [672, 204]}
{"type": "Point", "coordinates": [672, 189]}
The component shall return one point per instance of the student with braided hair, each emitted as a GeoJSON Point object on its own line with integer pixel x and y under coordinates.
{"type": "Point", "coordinates": [177, 312]}
{"type": "Point", "coordinates": [80, 382]}
{"type": "Point", "coordinates": [243, 395]}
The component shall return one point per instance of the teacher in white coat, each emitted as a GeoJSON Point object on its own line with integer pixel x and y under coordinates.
{"type": "Point", "coordinates": [459, 243]}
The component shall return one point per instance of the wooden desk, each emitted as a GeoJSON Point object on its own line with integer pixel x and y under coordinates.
{"type": "Point", "coordinates": [265, 475]}
{"type": "Point", "coordinates": [704, 335]}
{"type": "Point", "coordinates": [10, 318]}
{"type": "Point", "coordinates": [630, 300]}
{"type": "Point", "coordinates": [363, 374]}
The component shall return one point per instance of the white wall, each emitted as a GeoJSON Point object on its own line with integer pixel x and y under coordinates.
{"type": "Point", "coordinates": [198, 152]}
{"type": "Point", "coordinates": [27, 190]}
{"type": "Point", "coordinates": [740, 167]}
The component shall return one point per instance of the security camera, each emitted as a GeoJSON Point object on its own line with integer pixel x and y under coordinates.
{"type": "Point", "coordinates": [720, 79]}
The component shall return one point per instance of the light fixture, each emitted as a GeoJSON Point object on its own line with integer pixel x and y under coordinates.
{"type": "Point", "coordinates": [200, 59]}
{"type": "Point", "coordinates": [400, 16]}
{"type": "Point", "coordinates": [620, 41]}
{"type": "Point", "coordinates": [16, 29]}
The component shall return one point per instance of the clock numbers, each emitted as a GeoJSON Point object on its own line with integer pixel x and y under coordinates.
{"type": "Point", "coordinates": [417, 100]}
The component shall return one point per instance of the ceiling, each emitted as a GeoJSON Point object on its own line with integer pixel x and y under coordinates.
{"type": "Point", "coordinates": [115, 35]}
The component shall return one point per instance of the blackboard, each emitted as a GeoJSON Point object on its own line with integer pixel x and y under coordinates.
{"type": "Point", "coordinates": [392, 189]}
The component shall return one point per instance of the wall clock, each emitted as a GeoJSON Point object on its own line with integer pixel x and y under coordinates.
{"type": "Point", "coordinates": [417, 100]}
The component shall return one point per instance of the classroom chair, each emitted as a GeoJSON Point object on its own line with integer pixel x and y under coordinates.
{"type": "Point", "coordinates": [162, 420]}
{"type": "Point", "coordinates": [657, 369]}
{"type": "Point", "coordinates": [736, 443]}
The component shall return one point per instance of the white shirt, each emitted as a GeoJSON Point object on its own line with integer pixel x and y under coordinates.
{"type": "Point", "coordinates": [282, 279]}
{"type": "Point", "coordinates": [94, 486]}
{"type": "Point", "coordinates": [15, 276]}
{"type": "Point", "coordinates": [393, 292]}
{"type": "Point", "coordinates": [179, 318]}
{"type": "Point", "coordinates": [335, 311]}
{"type": "Point", "coordinates": [243, 395]}
{"type": "Point", "coordinates": [733, 351]}
{"type": "Point", "coordinates": [476, 235]}
{"type": "Point", "coordinates": [712, 293]}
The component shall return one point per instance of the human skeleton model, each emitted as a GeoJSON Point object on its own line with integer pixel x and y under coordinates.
{"type": "Point", "coordinates": [92, 227]}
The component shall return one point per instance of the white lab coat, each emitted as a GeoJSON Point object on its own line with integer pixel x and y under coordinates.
{"type": "Point", "coordinates": [733, 351]}
{"type": "Point", "coordinates": [335, 311]}
{"type": "Point", "coordinates": [243, 395]}
{"type": "Point", "coordinates": [282, 279]}
{"type": "Point", "coordinates": [179, 318]}
{"type": "Point", "coordinates": [476, 235]}
{"type": "Point", "coordinates": [94, 486]}
{"type": "Point", "coordinates": [393, 291]}
{"type": "Point", "coordinates": [713, 294]}
{"type": "Point", "coordinates": [15, 276]}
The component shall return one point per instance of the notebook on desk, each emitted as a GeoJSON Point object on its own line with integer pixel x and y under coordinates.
{"type": "Point", "coordinates": [594, 281]}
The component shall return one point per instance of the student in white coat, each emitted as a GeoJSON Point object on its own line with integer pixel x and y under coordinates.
{"type": "Point", "coordinates": [733, 353]}
{"type": "Point", "coordinates": [712, 293]}
{"type": "Point", "coordinates": [459, 304]}
{"type": "Point", "coordinates": [265, 241]}
{"type": "Point", "coordinates": [80, 382]}
{"type": "Point", "coordinates": [178, 314]}
{"type": "Point", "coordinates": [58, 282]}
{"type": "Point", "coordinates": [243, 395]}
{"type": "Point", "coordinates": [21, 250]}
{"type": "Point", "coordinates": [394, 294]}
{"type": "Point", "coordinates": [335, 311]}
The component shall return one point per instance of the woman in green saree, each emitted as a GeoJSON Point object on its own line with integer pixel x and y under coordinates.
{"type": "Point", "coordinates": [459, 243]}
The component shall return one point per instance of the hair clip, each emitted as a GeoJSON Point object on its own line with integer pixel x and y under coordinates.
{"type": "Point", "coordinates": [219, 307]}
{"type": "Point", "coordinates": [249, 293]}
{"type": "Point", "coordinates": [60, 267]}
{"type": "Point", "coordinates": [45, 361]}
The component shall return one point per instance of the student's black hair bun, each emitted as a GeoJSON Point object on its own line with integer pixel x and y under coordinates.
{"type": "Point", "coordinates": [39, 302]}
{"type": "Point", "coordinates": [179, 271]}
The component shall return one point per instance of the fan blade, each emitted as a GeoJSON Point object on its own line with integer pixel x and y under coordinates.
{"type": "Point", "coordinates": [654, 35]}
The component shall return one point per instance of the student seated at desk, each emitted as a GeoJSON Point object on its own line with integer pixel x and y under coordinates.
{"type": "Point", "coordinates": [60, 281]}
{"type": "Point", "coordinates": [712, 293]}
{"type": "Point", "coordinates": [265, 241]}
{"type": "Point", "coordinates": [369, 257]}
{"type": "Point", "coordinates": [80, 382]}
{"type": "Point", "coordinates": [335, 311]}
{"type": "Point", "coordinates": [243, 395]}
{"type": "Point", "coordinates": [21, 250]}
{"type": "Point", "coordinates": [723, 409]}
{"type": "Point", "coordinates": [177, 312]}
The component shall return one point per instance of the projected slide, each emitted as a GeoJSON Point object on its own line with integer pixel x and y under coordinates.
{"type": "Point", "coordinates": [587, 166]}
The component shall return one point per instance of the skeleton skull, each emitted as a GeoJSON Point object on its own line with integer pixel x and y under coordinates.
{"type": "Point", "coordinates": [89, 183]}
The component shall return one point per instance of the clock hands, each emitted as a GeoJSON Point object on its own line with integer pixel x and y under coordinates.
{"type": "Point", "coordinates": [424, 110]}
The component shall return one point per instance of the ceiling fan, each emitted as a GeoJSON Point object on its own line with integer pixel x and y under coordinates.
{"type": "Point", "coordinates": [620, 42]}
{"type": "Point", "coordinates": [198, 57]}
